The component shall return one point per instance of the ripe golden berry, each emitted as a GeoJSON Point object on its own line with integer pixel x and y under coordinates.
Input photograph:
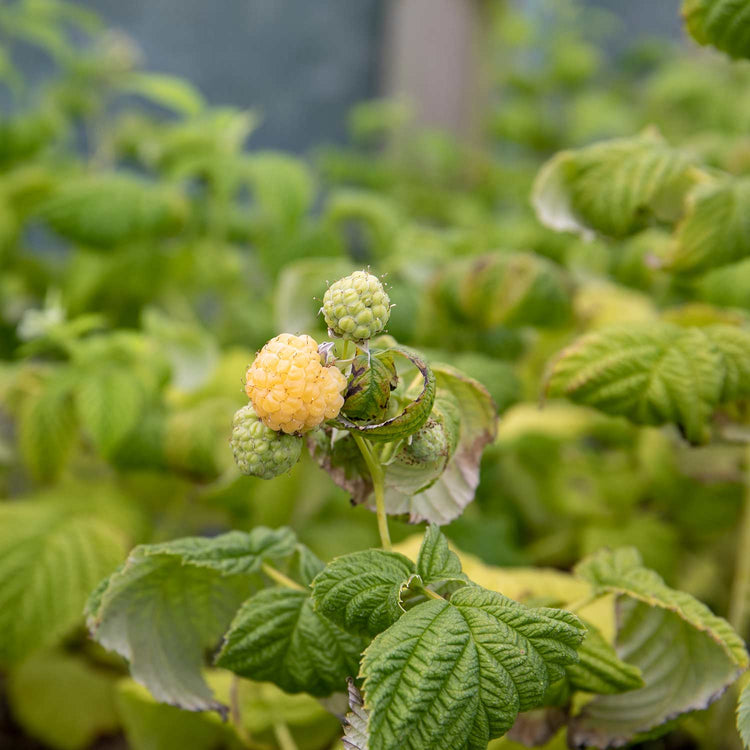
{"type": "Point", "coordinates": [290, 389]}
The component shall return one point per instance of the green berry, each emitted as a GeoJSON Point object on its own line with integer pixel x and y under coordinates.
{"type": "Point", "coordinates": [260, 451]}
{"type": "Point", "coordinates": [356, 307]}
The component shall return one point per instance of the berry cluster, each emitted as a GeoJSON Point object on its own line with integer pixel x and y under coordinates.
{"type": "Point", "coordinates": [258, 450]}
{"type": "Point", "coordinates": [356, 307]}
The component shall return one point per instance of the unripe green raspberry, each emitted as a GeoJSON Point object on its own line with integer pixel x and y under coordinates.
{"type": "Point", "coordinates": [357, 306]}
{"type": "Point", "coordinates": [260, 451]}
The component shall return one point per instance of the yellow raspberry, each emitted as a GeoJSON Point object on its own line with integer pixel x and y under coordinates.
{"type": "Point", "coordinates": [290, 389]}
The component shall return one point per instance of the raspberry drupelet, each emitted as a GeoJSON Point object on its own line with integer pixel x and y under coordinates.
{"type": "Point", "coordinates": [290, 389]}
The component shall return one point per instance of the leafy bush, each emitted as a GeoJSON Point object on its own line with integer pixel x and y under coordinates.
{"type": "Point", "coordinates": [148, 251]}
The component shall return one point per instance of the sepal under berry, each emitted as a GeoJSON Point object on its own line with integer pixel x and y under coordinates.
{"type": "Point", "coordinates": [356, 307]}
{"type": "Point", "coordinates": [260, 451]}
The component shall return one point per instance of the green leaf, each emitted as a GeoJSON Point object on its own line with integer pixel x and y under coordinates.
{"type": "Point", "coordinates": [278, 637]}
{"type": "Point", "coordinates": [372, 379]}
{"type": "Point", "coordinates": [501, 289]}
{"type": "Point", "coordinates": [360, 591]}
{"type": "Point", "coordinates": [50, 559]}
{"type": "Point", "coordinates": [444, 499]}
{"type": "Point", "coordinates": [62, 701]}
{"type": "Point", "coordinates": [436, 560]}
{"type": "Point", "coordinates": [599, 670]}
{"type": "Point", "coordinates": [376, 216]}
{"type": "Point", "coordinates": [715, 230]}
{"type": "Point", "coordinates": [489, 658]}
{"type": "Point", "coordinates": [743, 715]}
{"type": "Point", "coordinates": [724, 24]}
{"type": "Point", "coordinates": [106, 210]}
{"type": "Point", "coordinates": [615, 187]}
{"type": "Point", "coordinates": [414, 414]}
{"type": "Point", "coordinates": [170, 602]}
{"type": "Point", "coordinates": [47, 431]}
{"type": "Point", "coordinates": [651, 373]}
{"type": "Point", "coordinates": [169, 91]}
{"type": "Point", "coordinates": [109, 402]}
{"type": "Point", "coordinates": [734, 346]}
{"type": "Point", "coordinates": [687, 655]}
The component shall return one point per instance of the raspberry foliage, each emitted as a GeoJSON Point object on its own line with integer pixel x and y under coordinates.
{"type": "Point", "coordinates": [356, 307]}
{"type": "Point", "coordinates": [258, 450]}
{"type": "Point", "coordinates": [289, 387]}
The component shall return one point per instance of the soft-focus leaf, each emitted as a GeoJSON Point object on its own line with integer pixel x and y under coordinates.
{"type": "Point", "coordinates": [715, 230]}
{"type": "Point", "coordinates": [109, 402]}
{"type": "Point", "coordinates": [490, 658]}
{"type": "Point", "coordinates": [359, 591]}
{"type": "Point", "coordinates": [724, 24]}
{"type": "Point", "coordinates": [47, 430]}
{"type": "Point", "coordinates": [278, 637]}
{"type": "Point", "coordinates": [170, 602]}
{"type": "Point", "coordinates": [106, 210]}
{"type": "Point", "coordinates": [50, 560]}
{"type": "Point", "coordinates": [149, 725]}
{"type": "Point", "coordinates": [613, 187]}
{"type": "Point", "coordinates": [687, 655]}
{"type": "Point", "coordinates": [649, 373]}
{"type": "Point", "coordinates": [169, 91]}
{"type": "Point", "coordinates": [62, 701]}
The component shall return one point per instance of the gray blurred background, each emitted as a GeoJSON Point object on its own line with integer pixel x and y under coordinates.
{"type": "Point", "coordinates": [304, 63]}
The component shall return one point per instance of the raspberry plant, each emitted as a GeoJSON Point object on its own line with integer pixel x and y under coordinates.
{"type": "Point", "coordinates": [431, 658]}
{"type": "Point", "coordinates": [181, 249]}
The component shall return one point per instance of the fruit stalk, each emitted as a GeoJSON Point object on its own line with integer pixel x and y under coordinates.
{"type": "Point", "coordinates": [376, 473]}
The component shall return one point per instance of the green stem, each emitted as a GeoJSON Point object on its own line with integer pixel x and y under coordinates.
{"type": "Point", "coordinates": [376, 472]}
{"type": "Point", "coordinates": [583, 602]}
{"type": "Point", "coordinates": [280, 578]}
{"type": "Point", "coordinates": [284, 737]}
{"type": "Point", "coordinates": [738, 610]}
{"type": "Point", "coordinates": [431, 594]}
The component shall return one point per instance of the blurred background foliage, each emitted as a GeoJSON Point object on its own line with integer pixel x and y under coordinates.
{"type": "Point", "coordinates": [148, 250]}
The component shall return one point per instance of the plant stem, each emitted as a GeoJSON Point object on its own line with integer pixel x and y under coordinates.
{"type": "Point", "coordinates": [376, 472]}
{"type": "Point", "coordinates": [280, 578]}
{"type": "Point", "coordinates": [738, 610]}
{"type": "Point", "coordinates": [583, 602]}
{"type": "Point", "coordinates": [431, 594]}
{"type": "Point", "coordinates": [235, 713]}
{"type": "Point", "coordinates": [284, 737]}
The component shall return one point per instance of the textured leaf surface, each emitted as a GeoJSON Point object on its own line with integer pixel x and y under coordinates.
{"type": "Point", "coordinates": [651, 374]}
{"type": "Point", "coordinates": [107, 210]}
{"type": "Point", "coordinates": [359, 592]}
{"type": "Point", "coordinates": [686, 654]}
{"type": "Point", "coordinates": [716, 227]}
{"type": "Point", "coordinates": [489, 658]}
{"type": "Point", "coordinates": [743, 715]}
{"type": "Point", "coordinates": [62, 701]}
{"type": "Point", "coordinates": [170, 602]}
{"type": "Point", "coordinates": [278, 637]}
{"type": "Point", "coordinates": [50, 560]}
{"type": "Point", "coordinates": [614, 187]}
{"type": "Point", "coordinates": [436, 560]}
{"type": "Point", "coordinates": [599, 670]}
{"type": "Point", "coordinates": [725, 24]}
